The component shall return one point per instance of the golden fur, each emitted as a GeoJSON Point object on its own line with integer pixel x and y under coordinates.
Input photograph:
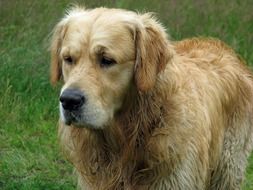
{"type": "Point", "coordinates": [167, 115]}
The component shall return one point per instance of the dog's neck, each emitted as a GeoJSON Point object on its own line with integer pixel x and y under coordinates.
{"type": "Point", "coordinates": [128, 135]}
{"type": "Point", "coordinates": [141, 114]}
{"type": "Point", "coordinates": [118, 153]}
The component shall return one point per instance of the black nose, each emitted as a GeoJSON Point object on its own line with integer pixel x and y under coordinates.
{"type": "Point", "coordinates": [72, 99]}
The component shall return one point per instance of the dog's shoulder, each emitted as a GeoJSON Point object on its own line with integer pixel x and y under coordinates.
{"type": "Point", "coordinates": [201, 44]}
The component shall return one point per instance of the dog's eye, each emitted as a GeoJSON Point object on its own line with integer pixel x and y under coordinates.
{"type": "Point", "coordinates": [105, 61]}
{"type": "Point", "coordinates": [68, 59]}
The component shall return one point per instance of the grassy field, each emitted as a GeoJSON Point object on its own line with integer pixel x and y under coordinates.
{"type": "Point", "coordinates": [29, 153]}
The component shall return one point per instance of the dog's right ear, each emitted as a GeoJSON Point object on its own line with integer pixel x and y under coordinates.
{"type": "Point", "coordinates": [153, 51]}
{"type": "Point", "coordinates": [55, 48]}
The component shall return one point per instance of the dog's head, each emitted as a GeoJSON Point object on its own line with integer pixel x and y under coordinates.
{"type": "Point", "coordinates": [100, 54]}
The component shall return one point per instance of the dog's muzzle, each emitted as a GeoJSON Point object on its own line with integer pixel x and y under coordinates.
{"type": "Point", "coordinates": [72, 101]}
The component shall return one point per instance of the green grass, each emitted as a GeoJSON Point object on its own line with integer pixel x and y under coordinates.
{"type": "Point", "coordinates": [29, 153]}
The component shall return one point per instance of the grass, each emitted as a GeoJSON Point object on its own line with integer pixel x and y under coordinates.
{"type": "Point", "coordinates": [29, 153]}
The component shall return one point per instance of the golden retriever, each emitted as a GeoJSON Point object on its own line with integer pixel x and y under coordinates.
{"type": "Point", "coordinates": [139, 111]}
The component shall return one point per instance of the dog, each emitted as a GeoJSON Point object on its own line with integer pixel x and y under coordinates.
{"type": "Point", "coordinates": [140, 111]}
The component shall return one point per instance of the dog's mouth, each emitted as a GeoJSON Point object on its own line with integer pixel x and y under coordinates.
{"type": "Point", "coordinates": [71, 117]}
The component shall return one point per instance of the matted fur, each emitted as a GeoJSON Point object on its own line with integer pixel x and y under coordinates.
{"type": "Point", "coordinates": [176, 115]}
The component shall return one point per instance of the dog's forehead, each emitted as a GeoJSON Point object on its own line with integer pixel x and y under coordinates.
{"type": "Point", "coordinates": [103, 27]}
{"type": "Point", "coordinates": [101, 21]}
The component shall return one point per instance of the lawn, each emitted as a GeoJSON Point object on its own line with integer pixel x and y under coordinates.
{"type": "Point", "coordinates": [29, 153]}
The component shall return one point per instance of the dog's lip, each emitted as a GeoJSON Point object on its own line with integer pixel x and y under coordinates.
{"type": "Point", "coordinates": [68, 122]}
{"type": "Point", "coordinates": [78, 125]}
{"type": "Point", "coordinates": [70, 117]}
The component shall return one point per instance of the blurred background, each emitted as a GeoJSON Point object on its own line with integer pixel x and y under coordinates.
{"type": "Point", "coordinates": [29, 153]}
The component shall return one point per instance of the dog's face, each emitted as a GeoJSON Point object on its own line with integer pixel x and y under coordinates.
{"type": "Point", "coordinates": [99, 53]}
{"type": "Point", "coordinates": [97, 56]}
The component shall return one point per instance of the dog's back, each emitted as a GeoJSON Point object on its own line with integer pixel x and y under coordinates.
{"type": "Point", "coordinates": [224, 87]}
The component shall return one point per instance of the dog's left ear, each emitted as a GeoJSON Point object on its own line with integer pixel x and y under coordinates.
{"type": "Point", "coordinates": [153, 52]}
